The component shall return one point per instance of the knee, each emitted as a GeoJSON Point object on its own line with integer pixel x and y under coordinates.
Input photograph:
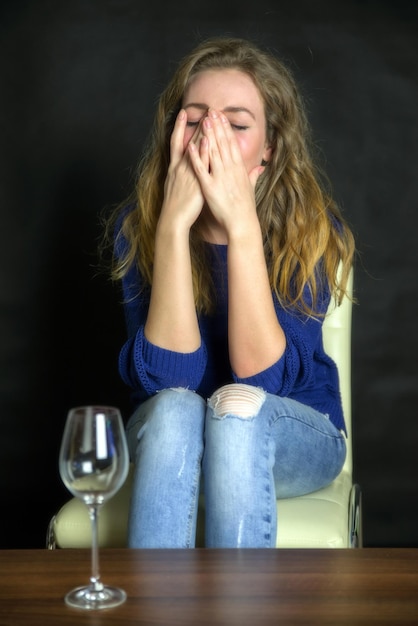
{"type": "Point", "coordinates": [242, 401]}
{"type": "Point", "coordinates": [178, 401]}
{"type": "Point", "coordinates": [172, 411]}
{"type": "Point", "coordinates": [173, 417]}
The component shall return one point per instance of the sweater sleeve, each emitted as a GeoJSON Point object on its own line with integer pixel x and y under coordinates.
{"type": "Point", "coordinates": [297, 369]}
{"type": "Point", "coordinates": [147, 368]}
{"type": "Point", "coordinates": [144, 367]}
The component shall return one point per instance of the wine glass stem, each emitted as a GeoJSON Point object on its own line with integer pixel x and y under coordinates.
{"type": "Point", "coordinates": [95, 574]}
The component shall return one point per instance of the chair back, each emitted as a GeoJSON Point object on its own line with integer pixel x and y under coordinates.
{"type": "Point", "coordinates": [336, 332]}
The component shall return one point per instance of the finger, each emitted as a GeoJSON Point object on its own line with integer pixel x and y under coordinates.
{"type": "Point", "coordinates": [224, 140]}
{"type": "Point", "coordinates": [200, 165]}
{"type": "Point", "coordinates": [195, 139]}
{"type": "Point", "coordinates": [204, 152]}
{"type": "Point", "coordinates": [216, 127]}
{"type": "Point", "coordinates": [177, 137]}
{"type": "Point", "coordinates": [255, 174]}
{"type": "Point", "coordinates": [233, 148]}
{"type": "Point", "coordinates": [217, 162]}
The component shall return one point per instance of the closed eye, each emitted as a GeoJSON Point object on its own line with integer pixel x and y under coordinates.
{"type": "Point", "coordinates": [239, 127]}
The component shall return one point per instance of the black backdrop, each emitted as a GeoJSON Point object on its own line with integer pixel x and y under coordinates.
{"type": "Point", "coordinates": [78, 84]}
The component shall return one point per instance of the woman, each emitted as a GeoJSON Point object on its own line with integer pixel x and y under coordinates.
{"type": "Point", "coordinates": [228, 255]}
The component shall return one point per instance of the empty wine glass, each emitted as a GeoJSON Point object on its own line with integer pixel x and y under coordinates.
{"type": "Point", "coordinates": [93, 464]}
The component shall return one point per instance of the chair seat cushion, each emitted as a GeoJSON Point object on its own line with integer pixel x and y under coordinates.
{"type": "Point", "coordinates": [72, 526]}
{"type": "Point", "coordinates": [329, 507]}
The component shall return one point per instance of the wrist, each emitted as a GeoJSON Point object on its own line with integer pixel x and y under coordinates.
{"type": "Point", "coordinates": [246, 231]}
{"type": "Point", "coordinates": [169, 229]}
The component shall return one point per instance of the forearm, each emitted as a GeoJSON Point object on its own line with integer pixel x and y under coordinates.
{"type": "Point", "coordinates": [256, 339]}
{"type": "Point", "coordinates": [172, 321]}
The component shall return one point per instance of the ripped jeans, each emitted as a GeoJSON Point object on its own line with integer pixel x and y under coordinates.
{"type": "Point", "coordinates": [253, 447]}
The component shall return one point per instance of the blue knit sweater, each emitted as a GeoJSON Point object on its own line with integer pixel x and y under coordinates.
{"type": "Point", "coordinates": [304, 372]}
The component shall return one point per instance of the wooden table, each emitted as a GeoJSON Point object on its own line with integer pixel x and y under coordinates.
{"type": "Point", "coordinates": [228, 587]}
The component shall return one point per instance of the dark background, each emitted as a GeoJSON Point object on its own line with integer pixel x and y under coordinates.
{"type": "Point", "coordinates": [79, 81]}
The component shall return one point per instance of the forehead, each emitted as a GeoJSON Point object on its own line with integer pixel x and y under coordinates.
{"type": "Point", "coordinates": [223, 88]}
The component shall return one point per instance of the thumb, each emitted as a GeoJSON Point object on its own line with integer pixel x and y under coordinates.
{"type": "Point", "coordinates": [255, 174]}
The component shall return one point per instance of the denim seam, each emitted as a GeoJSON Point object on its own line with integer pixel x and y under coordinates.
{"type": "Point", "coordinates": [269, 496]}
{"type": "Point", "coordinates": [192, 509]}
{"type": "Point", "coordinates": [301, 421]}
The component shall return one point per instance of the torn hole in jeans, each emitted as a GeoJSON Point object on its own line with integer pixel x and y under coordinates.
{"type": "Point", "coordinates": [240, 400]}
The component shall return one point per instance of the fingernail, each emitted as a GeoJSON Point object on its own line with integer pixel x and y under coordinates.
{"type": "Point", "coordinates": [213, 113]}
{"type": "Point", "coordinates": [182, 114]}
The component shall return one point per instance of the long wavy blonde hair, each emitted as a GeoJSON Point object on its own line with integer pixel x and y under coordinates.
{"type": "Point", "coordinates": [301, 225]}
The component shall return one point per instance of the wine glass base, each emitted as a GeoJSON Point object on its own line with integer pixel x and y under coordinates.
{"type": "Point", "coordinates": [92, 599]}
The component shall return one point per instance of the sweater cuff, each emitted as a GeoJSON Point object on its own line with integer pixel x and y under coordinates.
{"type": "Point", "coordinates": [173, 369]}
{"type": "Point", "coordinates": [270, 379]}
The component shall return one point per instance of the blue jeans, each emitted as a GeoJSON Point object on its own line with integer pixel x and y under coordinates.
{"type": "Point", "coordinates": [252, 447]}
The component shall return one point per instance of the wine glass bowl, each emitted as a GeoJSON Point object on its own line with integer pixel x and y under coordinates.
{"type": "Point", "coordinates": [93, 464]}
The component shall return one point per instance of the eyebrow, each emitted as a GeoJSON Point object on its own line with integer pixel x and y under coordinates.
{"type": "Point", "coordinates": [230, 109]}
